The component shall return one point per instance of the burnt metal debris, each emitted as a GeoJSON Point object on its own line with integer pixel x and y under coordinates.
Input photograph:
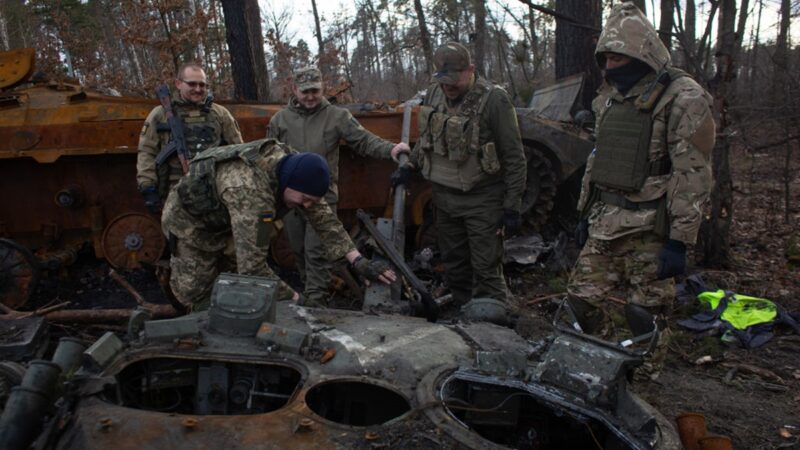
{"type": "Point", "coordinates": [255, 373]}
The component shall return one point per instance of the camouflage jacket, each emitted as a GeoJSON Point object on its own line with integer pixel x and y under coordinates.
{"type": "Point", "coordinates": [683, 130]}
{"type": "Point", "coordinates": [498, 123]}
{"type": "Point", "coordinates": [250, 195]}
{"type": "Point", "coordinates": [320, 130]}
{"type": "Point", "coordinates": [151, 141]}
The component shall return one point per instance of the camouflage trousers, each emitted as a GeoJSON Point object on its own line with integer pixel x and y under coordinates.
{"type": "Point", "coordinates": [472, 251]}
{"type": "Point", "coordinates": [625, 268]}
{"type": "Point", "coordinates": [193, 272]}
{"type": "Point", "coordinates": [309, 255]}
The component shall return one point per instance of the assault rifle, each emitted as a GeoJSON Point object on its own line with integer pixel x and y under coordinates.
{"type": "Point", "coordinates": [177, 140]}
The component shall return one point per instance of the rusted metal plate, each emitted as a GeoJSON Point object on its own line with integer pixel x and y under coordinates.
{"type": "Point", "coordinates": [58, 135]}
{"type": "Point", "coordinates": [131, 239]}
{"type": "Point", "coordinates": [15, 66]}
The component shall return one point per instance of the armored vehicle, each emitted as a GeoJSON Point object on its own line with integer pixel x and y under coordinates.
{"type": "Point", "coordinates": [251, 373]}
{"type": "Point", "coordinates": [69, 162]}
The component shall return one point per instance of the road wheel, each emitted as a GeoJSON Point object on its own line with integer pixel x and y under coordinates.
{"type": "Point", "coordinates": [540, 189]}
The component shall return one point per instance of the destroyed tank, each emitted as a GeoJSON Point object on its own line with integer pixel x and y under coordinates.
{"type": "Point", "coordinates": [252, 373]}
{"type": "Point", "coordinates": [69, 163]}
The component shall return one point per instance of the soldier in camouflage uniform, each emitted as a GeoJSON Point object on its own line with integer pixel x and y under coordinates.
{"type": "Point", "coordinates": [649, 178]}
{"type": "Point", "coordinates": [220, 216]}
{"type": "Point", "coordinates": [471, 150]}
{"type": "Point", "coordinates": [205, 124]}
{"type": "Point", "coordinates": [310, 123]}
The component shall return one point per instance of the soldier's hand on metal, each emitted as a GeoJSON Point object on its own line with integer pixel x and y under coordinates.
{"type": "Point", "coordinates": [151, 199]}
{"type": "Point", "coordinates": [402, 175]}
{"type": "Point", "coordinates": [581, 233]}
{"type": "Point", "coordinates": [671, 259]}
{"type": "Point", "coordinates": [511, 223]}
{"type": "Point", "coordinates": [296, 297]}
{"type": "Point", "coordinates": [400, 147]}
{"type": "Point", "coordinates": [374, 270]}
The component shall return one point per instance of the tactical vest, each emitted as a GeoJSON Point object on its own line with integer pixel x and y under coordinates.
{"type": "Point", "coordinates": [450, 139]}
{"type": "Point", "coordinates": [622, 160]}
{"type": "Point", "coordinates": [198, 189]}
{"type": "Point", "coordinates": [200, 130]}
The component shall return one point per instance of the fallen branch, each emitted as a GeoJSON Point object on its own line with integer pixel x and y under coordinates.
{"type": "Point", "coordinates": [543, 298]}
{"type": "Point", "coordinates": [755, 370]}
{"type": "Point", "coordinates": [108, 315]}
{"type": "Point", "coordinates": [49, 309]}
{"type": "Point", "coordinates": [124, 283]}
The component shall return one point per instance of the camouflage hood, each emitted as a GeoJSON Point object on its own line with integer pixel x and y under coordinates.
{"type": "Point", "coordinates": [629, 33]}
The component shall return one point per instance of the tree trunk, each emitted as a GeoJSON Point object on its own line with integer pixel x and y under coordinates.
{"type": "Point", "coordinates": [783, 98]}
{"type": "Point", "coordinates": [480, 37]}
{"type": "Point", "coordinates": [318, 32]}
{"type": "Point", "coordinates": [247, 53]}
{"type": "Point", "coordinates": [715, 232]}
{"type": "Point", "coordinates": [252, 14]}
{"type": "Point", "coordinates": [424, 37]}
{"type": "Point", "coordinates": [666, 22]}
{"type": "Point", "coordinates": [575, 45]}
{"type": "Point", "coordinates": [639, 4]}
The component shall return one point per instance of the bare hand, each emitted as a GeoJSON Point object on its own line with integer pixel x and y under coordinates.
{"type": "Point", "coordinates": [401, 147]}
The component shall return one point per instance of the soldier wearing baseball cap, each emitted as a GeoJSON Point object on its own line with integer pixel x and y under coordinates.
{"type": "Point", "coordinates": [308, 78]}
{"type": "Point", "coordinates": [309, 123]}
{"type": "Point", "coordinates": [471, 150]}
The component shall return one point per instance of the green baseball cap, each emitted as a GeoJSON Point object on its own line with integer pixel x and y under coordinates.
{"type": "Point", "coordinates": [308, 78]}
{"type": "Point", "coordinates": [450, 60]}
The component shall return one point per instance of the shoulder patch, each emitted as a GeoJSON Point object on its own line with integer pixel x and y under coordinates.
{"type": "Point", "coordinates": [144, 128]}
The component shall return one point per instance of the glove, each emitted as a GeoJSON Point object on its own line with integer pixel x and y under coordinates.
{"type": "Point", "coordinates": [401, 175]}
{"type": "Point", "coordinates": [151, 199]}
{"type": "Point", "coordinates": [671, 259]}
{"type": "Point", "coordinates": [511, 221]}
{"type": "Point", "coordinates": [370, 270]}
{"type": "Point", "coordinates": [581, 233]}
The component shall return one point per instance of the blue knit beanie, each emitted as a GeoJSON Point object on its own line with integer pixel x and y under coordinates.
{"type": "Point", "coordinates": [304, 172]}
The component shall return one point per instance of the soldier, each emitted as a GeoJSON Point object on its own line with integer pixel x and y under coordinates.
{"type": "Point", "coordinates": [648, 179]}
{"type": "Point", "coordinates": [311, 123]}
{"type": "Point", "coordinates": [205, 124]}
{"type": "Point", "coordinates": [219, 217]}
{"type": "Point", "coordinates": [471, 150]}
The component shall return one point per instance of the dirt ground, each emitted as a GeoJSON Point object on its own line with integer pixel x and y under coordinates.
{"type": "Point", "coordinates": [753, 396]}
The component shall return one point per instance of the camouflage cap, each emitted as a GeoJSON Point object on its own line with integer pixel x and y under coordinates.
{"type": "Point", "coordinates": [308, 78]}
{"type": "Point", "coordinates": [450, 60]}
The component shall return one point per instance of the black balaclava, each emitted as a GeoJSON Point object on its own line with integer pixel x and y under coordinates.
{"type": "Point", "coordinates": [626, 76]}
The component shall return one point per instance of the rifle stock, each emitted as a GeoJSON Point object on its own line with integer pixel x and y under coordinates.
{"type": "Point", "coordinates": [177, 140]}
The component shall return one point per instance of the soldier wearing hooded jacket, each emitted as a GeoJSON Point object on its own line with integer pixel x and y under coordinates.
{"type": "Point", "coordinates": [205, 124]}
{"type": "Point", "coordinates": [309, 122]}
{"type": "Point", "coordinates": [649, 178]}
{"type": "Point", "coordinates": [220, 216]}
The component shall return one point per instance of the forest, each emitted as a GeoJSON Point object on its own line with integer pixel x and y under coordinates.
{"type": "Point", "coordinates": [744, 52]}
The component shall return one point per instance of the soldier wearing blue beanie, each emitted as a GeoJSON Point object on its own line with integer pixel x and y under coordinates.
{"type": "Point", "coordinates": [304, 172]}
{"type": "Point", "coordinates": [231, 198]}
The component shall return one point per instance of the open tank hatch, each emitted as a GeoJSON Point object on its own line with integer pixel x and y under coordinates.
{"type": "Point", "coordinates": [204, 387]}
{"type": "Point", "coordinates": [356, 403]}
{"type": "Point", "coordinates": [515, 418]}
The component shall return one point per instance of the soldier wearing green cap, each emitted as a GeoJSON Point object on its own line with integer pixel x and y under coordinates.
{"type": "Point", "coordinates": [310, 123]}
{"type": "Point", "coordinates": [220, 216]}
{"type": "Point", "coordinates": [471, 150]}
